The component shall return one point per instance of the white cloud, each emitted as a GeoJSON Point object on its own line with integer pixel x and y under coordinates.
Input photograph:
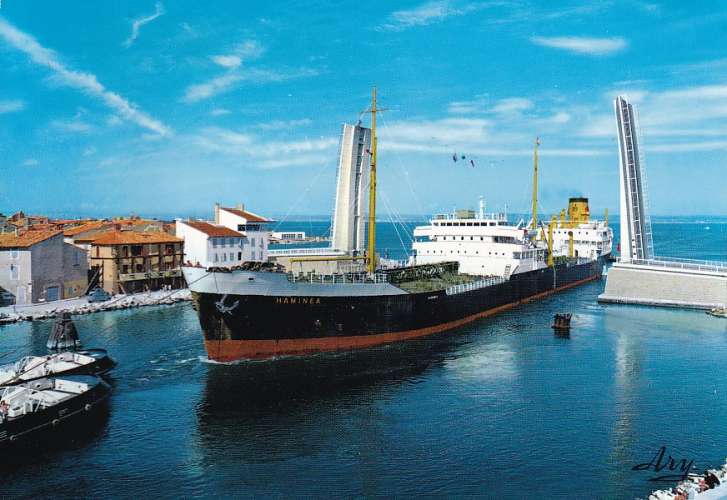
{"type": "Point", "coordinates": [229, 61]}
{"type": "Point", "coordinates": [427, 13]}
{"type": "Point", "coordinates": [86, 82]}
{"type": "Point", "coordinates": [228, 81]}
{"type": "Point", "coordinates": [11, 106]}
{"type": "Point", "coordinates": [90, 151]}
{"type": "Point", "coordinates": [136, 24]}
{"type": "Point", "coordinates": [113, 121]}
{"type": "Point", "coordinates": [687, 147]}
{"type": "Point", "coordinates": [479, 104]}
{"type": "Point", "coordinates": [283, 124]}
{"type": "Point", "coordinates": [247, 50]}
{"type": "Point", "coordinates": [583, 45]}
{"type": "Point", "coordinates": [513, 105]}
{"type": "Point", "coordinates": [72, 126]}
{"type": "Point", "coordinates": [261, 153]}
{"type": "Point", "coordinates": [233, 62]}
{"type": "Point", "coordinates": [482, 104]}
{"type": "Point", "coordinates": [220, 112]}
{"type": "Point", "coordinates": [30, 162]}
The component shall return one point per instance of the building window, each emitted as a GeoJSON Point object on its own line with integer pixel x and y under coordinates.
{"type": "Point", "coordinates": [214, 242]}
{"type": "Point", "coordinates": [13, 272]}
{"type": "Point", "coordinates": [13, 254]}
{"type": "Point", "coordinates": [170, 249]}
{"type": "Point", "coordinates": [140, 268]}
{"type": "Point", "coordinates": [125, 269]}
{"type": "Point", "coordinates": [216, 258]}
{"type": "Point", "coordinates": [224, 257]}
{"type": "Point", "coordinates": [76, 259]}
{"type": "Point", "coordinates": [124, 251]}
{"type": "Point", "coordinates": [136, 250]}
{"type": "Point", "coordinates": [252, 242]}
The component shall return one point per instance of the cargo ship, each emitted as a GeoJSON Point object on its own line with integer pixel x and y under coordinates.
{"type": "Point", "coordinates": [464, 266]}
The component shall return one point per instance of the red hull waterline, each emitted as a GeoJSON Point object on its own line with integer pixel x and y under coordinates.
{"type": "Point", "coordinates": [235, 350]}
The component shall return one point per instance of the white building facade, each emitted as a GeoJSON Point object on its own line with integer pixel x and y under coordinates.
{"type": "Point", "coordinates": [254, 229]}
{"type": "Point", "coordinates": [210, 245]}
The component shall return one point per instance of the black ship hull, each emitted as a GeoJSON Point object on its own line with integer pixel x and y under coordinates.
{"type": "Point", "coordinates": [269, 326]}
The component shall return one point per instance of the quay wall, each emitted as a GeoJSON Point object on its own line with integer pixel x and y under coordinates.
{"type": "Point", "coordinates": [630, 284]}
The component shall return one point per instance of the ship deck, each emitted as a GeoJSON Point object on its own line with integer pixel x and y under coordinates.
{"type": "Point", "coordinates": [435, 283]}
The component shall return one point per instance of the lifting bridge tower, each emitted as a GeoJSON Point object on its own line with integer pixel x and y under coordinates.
{"type": "Point", "coordinates": [636, 239]}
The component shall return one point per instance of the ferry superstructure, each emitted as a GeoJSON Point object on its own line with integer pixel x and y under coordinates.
{"type": "Point", "coordinates": [483, 245]}
{"type": "Point", "coordinates": [316, 305]}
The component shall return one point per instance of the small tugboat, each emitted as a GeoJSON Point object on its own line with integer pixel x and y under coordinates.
{"type": "Point", "coordinates": [561, 322]}
{"type": "Point", "coordinates": [87, 362]}
{"type": "Point", "coordinates": [30, 408]}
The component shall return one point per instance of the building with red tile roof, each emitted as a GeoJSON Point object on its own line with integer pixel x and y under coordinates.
{"type": "Point", "coordinates": [253, 226]}
{"type": "Point", "coordinates": [211, 245]}
{"type": "Point", "coordinates": [37, 266]}
{"type": "Point", "coordinates": [128, 261]}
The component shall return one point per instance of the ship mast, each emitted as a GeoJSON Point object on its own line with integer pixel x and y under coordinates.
{"type": "Point", "coordinates": [535, 184]}
{"type": "Point", "coordinates": [371, 263]}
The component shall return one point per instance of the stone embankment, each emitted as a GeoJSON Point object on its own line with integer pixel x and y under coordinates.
{"type": "Point", "coordinates": [39, 312]}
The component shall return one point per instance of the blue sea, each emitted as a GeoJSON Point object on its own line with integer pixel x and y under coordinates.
{"type": "Point", "coordinates": [501, 408]}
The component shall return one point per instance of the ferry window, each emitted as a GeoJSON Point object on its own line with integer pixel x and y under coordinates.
{"type": "Point", "coordinates": [472, 238]}
{"type": "Point", "coordinates": [461, 238]}
{"type": "Point", "coordinates": [492, 224]}
{"type": "Point", "coordinates": [482, 238]}
{"type": "Point", "coordinates": [469, 224]}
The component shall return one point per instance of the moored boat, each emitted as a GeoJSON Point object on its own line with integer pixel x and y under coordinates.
{"type": "Point", "coordinates": [28, 409]}
{"type": "Point", "coordinates": [86, 362]}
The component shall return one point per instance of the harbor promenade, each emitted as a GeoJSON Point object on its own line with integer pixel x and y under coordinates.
{"type": "Point", "coordinates": [81, 305]}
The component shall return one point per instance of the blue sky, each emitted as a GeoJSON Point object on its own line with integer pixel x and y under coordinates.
{"type": "Point", "coordinates": [164, 108]}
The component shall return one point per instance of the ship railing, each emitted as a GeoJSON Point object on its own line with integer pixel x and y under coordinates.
{"type": "Point", "coordinates": [333, 279]}
{"type": "Point", "coordinates": [474, 285]}
{"type": "Point", "coordinates": [323, 251]}
{"type": "Point", "coordinates": [685, 264]}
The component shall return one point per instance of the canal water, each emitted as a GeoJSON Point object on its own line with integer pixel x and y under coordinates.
{"type": "Point", "coordinates": [499, 408]}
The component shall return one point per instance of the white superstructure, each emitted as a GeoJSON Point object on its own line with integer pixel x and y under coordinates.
{"type": "Point", "coordinates": [483, 244]}
{"type": "Point", "coordinates": [591, 240]}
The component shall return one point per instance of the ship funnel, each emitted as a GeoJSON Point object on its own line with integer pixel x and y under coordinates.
{"type": "Point", "coordinates": [578, 210]}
